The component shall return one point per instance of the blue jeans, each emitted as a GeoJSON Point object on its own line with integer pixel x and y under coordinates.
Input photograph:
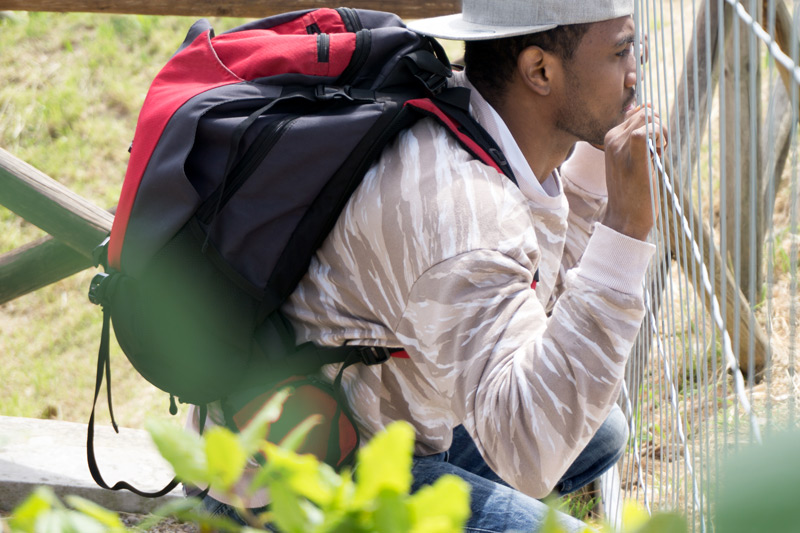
{"type": "Point", "coordinates": [496, 507]}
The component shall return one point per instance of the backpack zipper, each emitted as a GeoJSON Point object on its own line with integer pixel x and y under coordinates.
{"type": "Point", "coordinates": [351, 20]}
{"type": "Point", "coordinates": [352, 23]}
{"type": "Point", "coordinates": [245, 168]}
{"type": "Point", "coordinates": [360, 55]}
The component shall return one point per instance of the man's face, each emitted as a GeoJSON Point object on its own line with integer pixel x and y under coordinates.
{"type": "Point", "coordinates": [599, 81]}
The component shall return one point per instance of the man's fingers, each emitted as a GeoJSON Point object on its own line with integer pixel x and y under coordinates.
{"type": "Point", "coordinates": [659, 136]}
{"type": "Point", "coordinates": [640, 123]}
{"type": "Point", "coordinates": [650, 120]}
{"type": "Point", "coordinates": [641, 114]}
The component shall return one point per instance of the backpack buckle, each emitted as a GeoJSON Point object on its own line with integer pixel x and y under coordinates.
{"type": "Point", "coordinates": [433, 82]}
{"type": "Point", "coordinates": [429, 70]}
{"type": "Point", "coordinates": [97, 289]}
{"type": "Point", "coordinates": [328, 92]}
{"type": "Point", "coordinates": [346, 92]}
{"type": "Point", "coordinates": [374, 355]}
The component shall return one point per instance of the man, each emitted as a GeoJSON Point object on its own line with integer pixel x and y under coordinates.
{"type": "Point", "coordinates": [438, 253]}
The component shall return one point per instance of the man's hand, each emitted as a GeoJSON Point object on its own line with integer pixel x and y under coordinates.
{"type": "Point", "coordinates": [629, 178]}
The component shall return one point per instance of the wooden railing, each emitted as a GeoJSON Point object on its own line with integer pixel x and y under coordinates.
{"type": "Point", "coordinates": [407, 9]}
{"type": "Point", "coordinates": [76, 227]}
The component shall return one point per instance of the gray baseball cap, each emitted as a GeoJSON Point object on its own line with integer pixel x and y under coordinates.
{"type": "Point", "coordinates": [492, 19]}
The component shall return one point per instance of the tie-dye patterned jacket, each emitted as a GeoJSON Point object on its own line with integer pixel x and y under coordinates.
{"type": "Point", "coordinates": [436, 253]}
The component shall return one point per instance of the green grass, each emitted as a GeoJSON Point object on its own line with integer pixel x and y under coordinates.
{"type": "Point", "coordinates": [73, 85]}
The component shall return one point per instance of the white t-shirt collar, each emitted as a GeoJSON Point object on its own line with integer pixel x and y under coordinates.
{"type": "Point", "coordinates": [491, 121]}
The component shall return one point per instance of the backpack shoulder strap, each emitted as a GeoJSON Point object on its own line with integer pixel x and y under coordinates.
{"type": "Point", "coordinates": [451, 109]}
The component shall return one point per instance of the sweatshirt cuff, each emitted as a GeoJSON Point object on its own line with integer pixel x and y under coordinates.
{"type": "Point", "coordinates": [616, 260]}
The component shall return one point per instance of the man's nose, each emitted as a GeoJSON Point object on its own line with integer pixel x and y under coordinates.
{"type": "Point", "coordinates": [630, 79]}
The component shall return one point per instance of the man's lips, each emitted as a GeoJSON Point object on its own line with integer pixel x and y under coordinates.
{"type": "Point", "coordinates": [630, 104]}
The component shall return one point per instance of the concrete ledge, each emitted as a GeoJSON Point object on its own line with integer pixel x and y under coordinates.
{"type": "Point", "coordinates": [53, 453]}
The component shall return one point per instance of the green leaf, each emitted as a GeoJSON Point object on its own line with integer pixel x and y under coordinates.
{"type": "Point", "coordinates": [385, 462]}
{"type": "Point", "coordinates": [183, 450]}
{"type": "Point", "coordinates": [40, 501]}
{"type": "Point", "coordinates": [551, 524]}
{"type": "Point", "coordinates": [225, 457]}
{"type": "Point", "coordinates": [666, 523]}
{"type": "Point", "coordinates": [298, 434]}
{"type": "Point", "coordinates": [758, 488]}
{"type": "Point", "coordinates": [52, 521]}
{"type": "Point", "coordinates": [189, 510]}
{"type": "Point", "coordinates": [75, 522]}
{"type": "Point", "coordinates": [343, 492]}
{"type": "Point", "coordinates": [108, 518]}
{"type": "Point", "coordinates": [287, 509]}
{"type": "Point", "coordinates": [61, 520]}
{"type": "Point", "coordinates": [634, 516]}
{"type": "Point", "coordinates": [391, 514]}
{"type": "Point", "coordinates": [442, 507]}
{"type": "Point", "coordinates": [351, 522]}
{"type": "Point", "coordinates": [178, 508]}
{"type": "Point", "coordinates": [303, 474]}
{"type": "Point", "coordinates": [256, 431]}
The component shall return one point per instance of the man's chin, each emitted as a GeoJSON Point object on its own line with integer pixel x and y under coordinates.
{"type": "Point", "coordinates": [593, 132]}
{"type": "Point", "coordinates": [619, 120]}
{"type": "Point", "coordinates": [596, 140]}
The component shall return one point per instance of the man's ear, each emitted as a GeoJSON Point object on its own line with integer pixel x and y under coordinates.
{"type": "Point", "coordinates": [536, 68]}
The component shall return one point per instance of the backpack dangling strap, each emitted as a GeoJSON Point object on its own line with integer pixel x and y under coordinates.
{"type": "Point", "coordinates": [369, 355]}
{"type": "Point", "coordinates": [104, 367]}
{"type": "Point", "coordinates": [333, 456]}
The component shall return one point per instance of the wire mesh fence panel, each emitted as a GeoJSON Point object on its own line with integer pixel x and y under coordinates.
{"type": "Point", "coordinates": [715, 365]}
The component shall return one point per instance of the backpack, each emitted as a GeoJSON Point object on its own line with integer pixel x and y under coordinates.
{"type": "Point", "coordinates": [246, 150]}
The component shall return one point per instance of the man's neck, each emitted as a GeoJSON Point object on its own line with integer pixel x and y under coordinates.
{"type": "Point", "coordinates": [544, 146]}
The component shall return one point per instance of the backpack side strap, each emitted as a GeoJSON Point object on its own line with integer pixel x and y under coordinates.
{"type": "Point", "coordinates": [103, 367]}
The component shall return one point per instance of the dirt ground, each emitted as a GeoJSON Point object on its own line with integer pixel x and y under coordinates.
{"type": "Point", "coordinates": [167, 526]}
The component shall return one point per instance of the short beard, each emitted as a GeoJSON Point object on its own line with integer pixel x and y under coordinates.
{"type": "Point", "coordinates": [575, 120]}
{"type": "Point", "coordinates": [577, 124]}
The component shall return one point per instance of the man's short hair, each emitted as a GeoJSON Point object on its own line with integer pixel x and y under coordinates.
{"type": "Point", "coordinates": [491, 63]}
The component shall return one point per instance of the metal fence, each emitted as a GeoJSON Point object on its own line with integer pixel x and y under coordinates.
{"type": "Point", "coordinates": [715, 366]}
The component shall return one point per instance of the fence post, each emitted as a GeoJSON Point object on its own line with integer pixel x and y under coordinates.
{"type": "Point", "coordinates": [688, 121]}
{"type": "Point", "coordinates": [744, 225]}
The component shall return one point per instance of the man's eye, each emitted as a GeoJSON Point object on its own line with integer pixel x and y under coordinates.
{"type": "Point", "coordinates": [628, 50]}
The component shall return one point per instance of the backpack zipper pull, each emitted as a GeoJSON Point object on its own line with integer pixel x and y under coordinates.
{"type": "Point", "coordinates": [173, 407]}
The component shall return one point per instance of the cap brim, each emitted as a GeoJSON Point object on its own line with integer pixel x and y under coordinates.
{"type": "Point", "coordinates": [454, 27]}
